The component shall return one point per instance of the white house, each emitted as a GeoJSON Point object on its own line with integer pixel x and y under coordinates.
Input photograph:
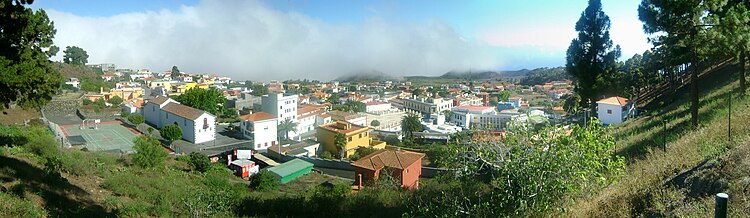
{"type": "Point", "coordinates": [614, 110]}
{"type": "Point", "coordinates": [261, 128]}
{"type": "Point", "coordinates": [197, 125]}
{"type": "Point", "coordinates": [74, 82]}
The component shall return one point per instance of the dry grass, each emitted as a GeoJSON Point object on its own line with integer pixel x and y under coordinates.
{"type": "Point", "coordinates": [649, 187]}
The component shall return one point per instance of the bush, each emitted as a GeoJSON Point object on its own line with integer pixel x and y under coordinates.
{"type": "Point", "coordinates": [326, 155]}
{"type": "Point", "coordinates": [87, 102]}
{"type": "Point", "coordinates": [199, 162]}
{"type": "Point", "coordinates": [149, 152]}
{"type": "Point", "coordinates": [116, 100]}
{"type": "Point", "coordinates": [375, 123]}
{"type": "Point", "coordinates": [136, 119]}
{"type": "Point", "coordinates": [100, 103]}
{"type": "Point", "coordinates": [125, 114]}
{"type": "Point", "coordinates": [171, 132]}
{"type": "Point", "coordinates": [264, 181]}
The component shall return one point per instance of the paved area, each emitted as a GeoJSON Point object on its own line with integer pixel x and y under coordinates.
{"type": "Point", "coordinates": [346, 174]}
{"type": "Point", "coordinates": [225, 140]}
{"type": "Point", "coordinates": [108, 137]}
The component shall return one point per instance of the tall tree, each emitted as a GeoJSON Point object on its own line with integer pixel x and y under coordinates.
{"type": "Point", "coordinates": [592, 54]}
{"type": "Point", "coordinates": [75, 55]}
{"type": "Point", "coordinates": [210, 100]}
{"type": "Point", "coordinates": [175, 72]}
{"type": "Point", "coordinates": [26, 75]}
{"type": "Point", "coordinates": [678, 26]}
{"type": "Point", "coordinates": [733, 21]}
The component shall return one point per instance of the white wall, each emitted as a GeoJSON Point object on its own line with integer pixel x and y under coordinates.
{"type": "Point", "coordinates": [263, 133]}
{"type": "Point", "coordinates": [378, 107]}
{"type": "Point", "coordinates": [203, 135]}
{"type": "Point", "coordinates": [614, 118]}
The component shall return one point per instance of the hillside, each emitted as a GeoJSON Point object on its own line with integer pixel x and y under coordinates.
{"type": "Point", "coordinates": [372, 76]}
{"type": "Point", "coordinates": [74, 71]}
{"type": "Point", "coordinates": [696, 165]}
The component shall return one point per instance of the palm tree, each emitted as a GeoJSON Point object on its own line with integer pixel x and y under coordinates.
{"type": "Point", "coordinates": [409, 125]}
{"type": "Point", "coordinates": [285, 127]}
{"type": "Point", "coordinates": [448, 114]}
{"type": "Point", "coordinates": [340, 142]}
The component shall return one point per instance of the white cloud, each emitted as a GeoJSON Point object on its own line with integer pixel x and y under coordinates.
{"type": "Point", "coordinates": [249, 40]}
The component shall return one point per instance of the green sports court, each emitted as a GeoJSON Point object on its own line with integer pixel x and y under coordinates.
{"type": "Point", "coordinates": [105, 136]}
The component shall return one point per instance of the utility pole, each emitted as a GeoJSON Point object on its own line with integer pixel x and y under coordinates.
{"type": "Point", "coordinates": [664, 137]}
{"type": "Point", "coordinates": [729, 127]}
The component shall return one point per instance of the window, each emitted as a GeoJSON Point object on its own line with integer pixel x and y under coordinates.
{"type": "Point", "coordinates": [609, 111]}
{"type": "Point", "coordinates": [350, 138]}
{"type": "Point", "coordinates": [205, 123]}
{"type": "Point", "coordinates": [167, 114]}
{"type": "Point", "coordinates": [184, 122]}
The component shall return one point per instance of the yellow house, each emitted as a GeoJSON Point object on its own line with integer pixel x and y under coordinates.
{"type": "Point", "coordinates": [356, 136]}
{"type": "Point", "coordinates": [181, 88]}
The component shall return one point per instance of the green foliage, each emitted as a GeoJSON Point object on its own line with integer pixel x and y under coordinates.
{"type": "Point", "coordinates": [591, 55]}
{"type": "Point", "coordinates": [504, 95]}
{"type": "Point", "coordinates": [571, 105]}
{"type": "Point", "coordinates": [258, 89]}
{"type": "Point", "coordinates": [26, 74]}
{"type": "Point", "coordinates": [375, 123]}
{"type": "Point", "coordinates": [75, 55]}
{"type": "Point", "coordinates": [171, 132]}
{"type": "Point", "coordinates": [125, 114]}
{"type": "Point", "coordinates": [136, 119]}
{"type": "Point", "coordinates": [356, 106]}
{"type": "Point", "coordinates": [210, 100]}
{"type": "Point", "coordinates": [149, 152]}
{"type": "Point", "coordinates": [175, 72]}
{"type": "Point", "coordinates": [264, 181]}
{"type": "Point", "coordinates": [285, 127]}
{"type": "Point", "coordinates": [340, 142]}
{"type": "Point", "coordinates": [86, 101]}
{"type": "Point", "coordinates": [361, 152]}
{"type": "Point", "coordinates": [409, 125]}
{"type": "Point", "coordinates": [326, 155]}
{"type": "Point", "coordinates": [115, 100]}
{"type": "Point", "coordinates": [199, 162]}
{"type": "Point", "coordinates": [95, 85]}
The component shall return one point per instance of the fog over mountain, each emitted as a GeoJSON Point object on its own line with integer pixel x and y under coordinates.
{"type": "Point", "coordinates": [250, 40]}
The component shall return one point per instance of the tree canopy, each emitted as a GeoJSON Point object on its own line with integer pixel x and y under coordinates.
{"type": "Point", "coordinates": [149, 152]}
{"type": "Point", "coordinates": [75, 55]}
{"type": "Point", "coordinates": [26, 74]}
{"type": "Point", "coordinates": [592, 55]}
{"type": "Point", "coordinates": [210, 100]}
{"type": "Point", "coordinates": [171, 132]}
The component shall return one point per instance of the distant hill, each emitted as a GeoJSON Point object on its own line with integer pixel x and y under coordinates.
{"type": "Point", "coordinates": [366, 77]}
{"type": "Point", "coordinates": [468, 75]}
{"type": "Point", "coordinates": [544, 75]}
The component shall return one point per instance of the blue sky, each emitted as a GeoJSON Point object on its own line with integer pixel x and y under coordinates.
{"type": "Point", "coordinates": [493, 35]}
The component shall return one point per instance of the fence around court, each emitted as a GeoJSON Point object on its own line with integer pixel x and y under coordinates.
{"type": "Point", "coordinates": [57, 130]}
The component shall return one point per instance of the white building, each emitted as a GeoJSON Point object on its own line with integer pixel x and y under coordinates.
{"type": "Point", "coordinates": [197, 125]}
{"type": "Point", "coordinates": [280, 105]}
{"type": "Point", "coordinates": [375, 107]}
{"type": "Point", "coordinates": [515, 101]}
{"type": "Point", "coordinates": [353, 118]}
{"type": "Point", "coordinates": [74, 82]}
{"type": "Point", "coordinates": [426, 106]}
{"type": "Point", "coordinates": [480, 117]}
{"type": "Point", "coordinates": [261, 128]}
{"type": "Point", "coordinates": [309, 117]}
{"type": "Point", "coordinates": [614, 110]}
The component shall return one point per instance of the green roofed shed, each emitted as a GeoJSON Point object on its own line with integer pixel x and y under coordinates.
{"type": "Point", "coordinates": [291, 170]}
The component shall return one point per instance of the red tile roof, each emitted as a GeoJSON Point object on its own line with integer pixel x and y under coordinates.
{"type": "Point", "coordinates": [398, 159]}
{"type": "Point", "coordinates": [474, 108]}
{"type": "Point", "coordinates": [617, 100]}
{"type": "Point", "coordinates": [257, 116]}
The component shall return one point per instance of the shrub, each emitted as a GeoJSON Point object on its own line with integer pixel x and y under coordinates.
{"type": "Point", "coordinates": [171, 132]}
{"type": "Point", "coordinates": [116, 100]}
{"type": "Point", "coordinates": [326, 155]}
{"type": "Point", "coordinates": [136, 119]}
{"type": "Point", "coordinates": [375, 123]}
{"type": "Point", "coordinates": [149, 152]}
{"type": "Point", "coordinates": [100, 103]}
{"type": "Point", "coordinates": [264, 181]}
{"type": "Point", "coordinates": [199, 162]}
{"type": "Point", "coordinates": [87, 102]}
{"type": "Point", "coordinates": [125, 114]}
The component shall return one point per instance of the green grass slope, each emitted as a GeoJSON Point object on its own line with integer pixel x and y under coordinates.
{"type": "Point", "coordinates": [697, 163]}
